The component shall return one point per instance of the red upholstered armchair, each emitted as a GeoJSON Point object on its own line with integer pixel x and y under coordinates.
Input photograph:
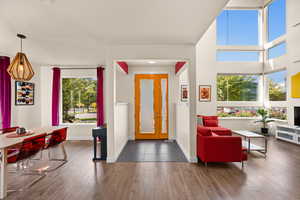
{"type": "Point", "coordinates": [212, 147]}
{"type": "Point", "coordinates": [212, 123]}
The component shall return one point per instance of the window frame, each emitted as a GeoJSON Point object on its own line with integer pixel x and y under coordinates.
{"type": "Point", "coordinates": [267, 99]}
{"type": "Point", "coordinates": [243, 103]}
{"type": "Point", "coordinates": [61, 102]}
{"type": "Point", "coordinates": [260, 27]}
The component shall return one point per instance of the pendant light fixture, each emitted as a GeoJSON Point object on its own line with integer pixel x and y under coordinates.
{"type": "Point", "coordinates": [20, 68]}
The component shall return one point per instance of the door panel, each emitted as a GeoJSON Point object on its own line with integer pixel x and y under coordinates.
{"type": "Point", "coordinates": [151, 106]}
{"type": "Point", "coordinates": [146, 106]}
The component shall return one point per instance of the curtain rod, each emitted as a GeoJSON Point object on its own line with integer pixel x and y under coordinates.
{"type": "Point", "coordinates": [66, 68]}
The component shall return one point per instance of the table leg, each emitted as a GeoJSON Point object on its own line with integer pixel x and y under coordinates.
{"type": "Point", "coordinates": [3, 174]}
{"type": "Point", "coordinates": [266, 145]}
{"type": "Point", "coordinates": [95, 148]}
{"type": "Point", "coordinates": [248, 145]}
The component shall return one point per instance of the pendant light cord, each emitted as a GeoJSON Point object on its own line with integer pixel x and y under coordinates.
{"type": "Point", "coordinates": [21, 45]}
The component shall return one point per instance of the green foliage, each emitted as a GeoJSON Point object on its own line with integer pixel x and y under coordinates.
{"type": "Point", "coordinates": [78, 93]}
{"type": "Point", "coordinates": [241, 113]}
{"type": "Point", "coordinates": [264, 117]}
{"type": "Point", "coordinates": [276, 91]}
{"type": "Point", "coordinates": [237, 88]}
{"type": "Point", "coordinates": [278, 113]}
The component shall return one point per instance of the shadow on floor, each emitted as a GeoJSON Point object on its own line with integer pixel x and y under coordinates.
{"type": "Point", "coordinates": [152, 151]}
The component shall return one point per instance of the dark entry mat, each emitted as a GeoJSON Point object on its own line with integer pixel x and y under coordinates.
{"type": "Point", "coordinates": [152, 151]}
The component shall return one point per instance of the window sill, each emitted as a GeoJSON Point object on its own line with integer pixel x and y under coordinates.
{"type": "Point", "coordinates": [78, 124]}
{"type": "Point", "coordinates": [279, 120]}
{"type": "Point", "coordinates": [238, 118]}
{"type": "Point", "coordinates": [249, 118]}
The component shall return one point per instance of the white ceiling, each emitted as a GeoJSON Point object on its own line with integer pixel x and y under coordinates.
{"type": "Point", "coordinates": [77, 31]}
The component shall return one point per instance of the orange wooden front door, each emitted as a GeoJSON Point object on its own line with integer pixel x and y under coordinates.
{"type": "Point", "coordinates": [151, 106]}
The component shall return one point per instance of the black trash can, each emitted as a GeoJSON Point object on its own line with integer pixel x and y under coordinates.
{"type": "Point", "coordinates": [101, 134]}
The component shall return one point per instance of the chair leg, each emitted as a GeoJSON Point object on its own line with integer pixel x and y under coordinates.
{"type": "Point", "coordinates": [41, 176]}
{"type": "Point", "coordinates": [242, 164]}
{"type": "Point", "coordinates": [63, 160]}
{"type": "Point", "coordinates": [40, 157]}
{"type": "Point", "coordinates": [205, 164]}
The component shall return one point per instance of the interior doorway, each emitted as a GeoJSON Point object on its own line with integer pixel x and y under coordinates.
{"type": "Point", "coordinates": [151, 106]}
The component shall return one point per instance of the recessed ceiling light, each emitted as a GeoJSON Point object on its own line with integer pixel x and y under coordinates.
{"type": "Point", "coordinates": [151, 62]}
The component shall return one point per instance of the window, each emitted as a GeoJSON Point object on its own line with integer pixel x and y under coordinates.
{"type": "Point", "coordinates": [277, 50]}
{"type": "Point", "coordinates": [232, 29]}
{"type": "Point", "coordinates": [237, 111]}
{"type": "Point", "coordinates": [237, 56]}
{"type": "Point", "coordinates": [79, 100]}
{"type": "Point", "coordinates": [277, 85]}
{"type": "Point", "coordinates": [276, 19]}
{"type": "Point", "coordinates": [237, 87]}
{"type": "Point", "coordinates": [278, 113]}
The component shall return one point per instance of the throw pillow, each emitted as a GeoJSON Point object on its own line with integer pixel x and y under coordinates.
{"type": "Point", "coordinates": [211, 123]}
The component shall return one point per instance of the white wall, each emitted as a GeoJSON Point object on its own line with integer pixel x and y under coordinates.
{"type": "Point", "coordinates": [182, 127]}
{"type": "Point", "coordinates": [121, 127]}
{"type": "Point", "coordinates": [182, 115]}
{"type": "Point", "coordinates": [293, 51]}
{"type": "Point", "coordinates": [28, 116]}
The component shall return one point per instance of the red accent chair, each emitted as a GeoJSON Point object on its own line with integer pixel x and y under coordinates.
{"type": "Point", "coordinates": [57, 138]}
{"type": "Point", "coordinates": [212, 147]}
{"type": "Point", "coordinates": [28, 148]}
{"type": "Point", "coordinates": [212, 123]}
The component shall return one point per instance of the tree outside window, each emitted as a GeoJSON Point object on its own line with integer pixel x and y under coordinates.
{"type": "Point", "coordinates": [277, 85]}
{"type": "Point", "coordinates": [79, 100]}
{"type": "Point", "coordinates": [237, 87]}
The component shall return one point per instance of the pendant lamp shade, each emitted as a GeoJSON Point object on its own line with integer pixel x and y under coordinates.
{"type": "Point", "coordinates": [20, 68]}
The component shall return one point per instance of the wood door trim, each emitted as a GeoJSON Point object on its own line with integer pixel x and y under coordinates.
{"type": "Point", "coordinates": [157, 108]}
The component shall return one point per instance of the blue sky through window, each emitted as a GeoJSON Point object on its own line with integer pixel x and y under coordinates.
{"type": "Point", "coordinates": [238, 27]}
{"type": "Point", "coordinates": [276, 19]}
{"type": "Point", "coordinates": [278, 77]}
{"type": "Point", "coordinates": [277, 50]}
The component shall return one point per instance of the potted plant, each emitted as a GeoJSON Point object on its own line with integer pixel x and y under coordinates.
{"type": "Point", "coordinates": [264, 120]}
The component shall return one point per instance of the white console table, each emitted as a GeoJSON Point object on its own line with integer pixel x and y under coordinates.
{"type": "Point", "coordinates": [288, 133]}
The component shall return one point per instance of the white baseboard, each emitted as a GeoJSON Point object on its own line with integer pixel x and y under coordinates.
{"type": "Point", "coordinates": [88, 137]}
{"type": "Point", "coordinates": [193, 159]}
{"type": "Point", "coordinates": [110, 160]}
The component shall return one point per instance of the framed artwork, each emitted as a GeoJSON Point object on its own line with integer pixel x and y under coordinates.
{"type": "Point", "coordinates": [184, 93]}
{"type": "Point", "coordinates": [204, 93]}
{"type": "Point", "coordinates": [24, 93]}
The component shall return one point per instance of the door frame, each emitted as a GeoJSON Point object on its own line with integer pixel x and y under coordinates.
{"type": "Point", "coordinates": [157, 126]}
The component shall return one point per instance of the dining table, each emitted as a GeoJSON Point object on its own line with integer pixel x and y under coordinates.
{"type": "Point", "coordinates": [8, 142]}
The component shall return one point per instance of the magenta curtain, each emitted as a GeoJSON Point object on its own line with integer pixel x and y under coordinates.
{"type": "Point", "coordinates": [100, 100]}
{"type": "Point", "coordinates": [5, 92]}
{"type": "Point", "coordinates": [55, 96]}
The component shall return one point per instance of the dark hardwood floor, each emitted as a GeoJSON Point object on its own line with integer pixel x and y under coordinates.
{"type": "Point", "coordinates": [275, 178]}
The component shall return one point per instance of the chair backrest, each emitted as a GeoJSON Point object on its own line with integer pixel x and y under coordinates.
{"type": "Point", "coordinates": [57, 137]}
{"type": "Point", "coordinates": [210, 121]}
{"type": "Point", "coordinates": [31, 145]}
{"type": "Point", "coordinates": [8, 130]}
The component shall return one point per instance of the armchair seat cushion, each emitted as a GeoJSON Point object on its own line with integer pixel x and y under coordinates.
{"type": "Point", "coordinates": [220, 130]}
